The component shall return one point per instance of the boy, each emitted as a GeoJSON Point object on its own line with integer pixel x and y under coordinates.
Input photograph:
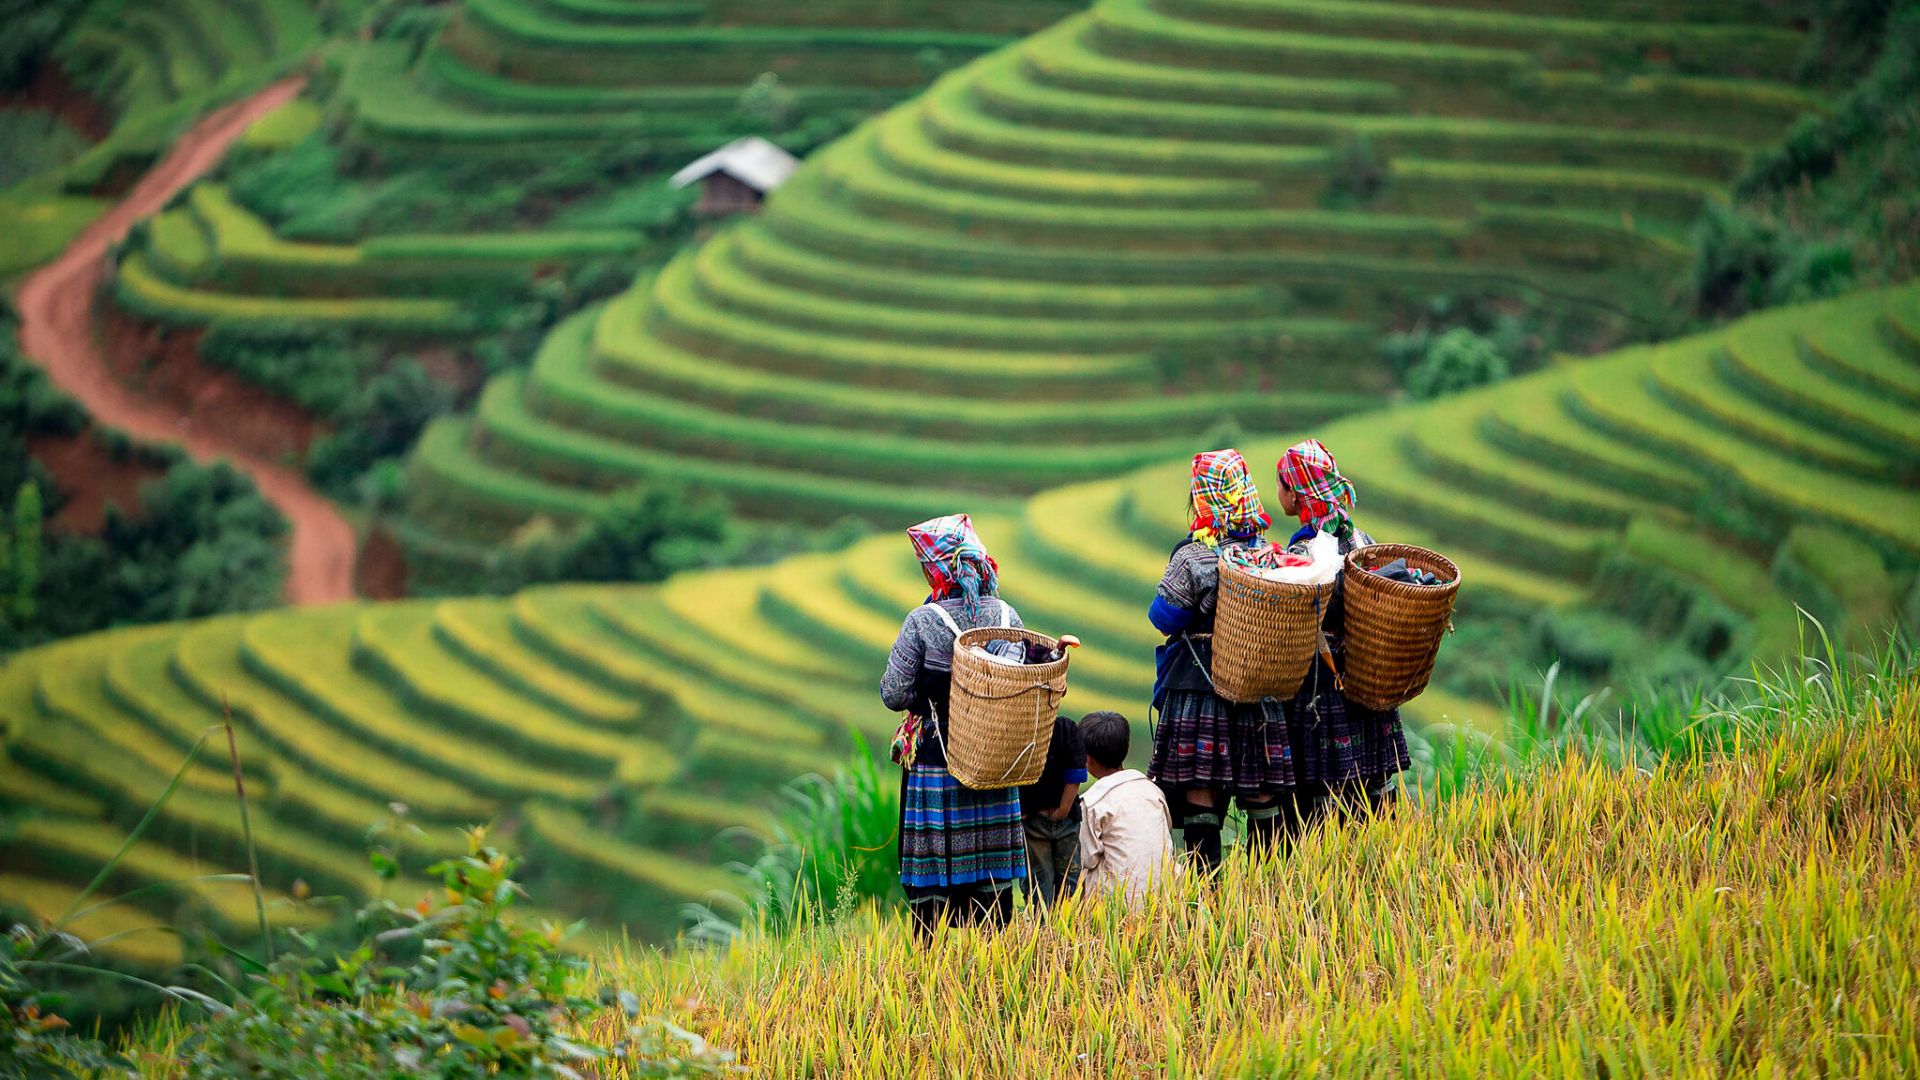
{"type": "Point", "coordinates": [1050, 807]}
{"type": "Point", "coordinates": [1126, 831]}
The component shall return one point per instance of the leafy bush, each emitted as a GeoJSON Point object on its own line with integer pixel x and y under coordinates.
{"type": "Point", "coordinates": [32, 28]}
{"type": "Point", "coordinates": [34, 142]}
{"type": "Point", "coordinates": [834, 846]}
{"type": "Point", "coordinates": [1744, 262]}
{"type": "Point", "coordinates": [766, 103]}
{"type": "Point", "coordinates": [1837, 200]}
{"type": "Point", "coordinates": [644, 533]}
{"type": "Point", "coordinates": [448, 987]}
{"type": "Point", "coordinates": [1457, 360]}
{"type": "Point", "coordinates": [322, 371]}
{"type": "Point", "coordinates": [380, 422]}
{"type": "Point", "coordinates": [1357, 175]}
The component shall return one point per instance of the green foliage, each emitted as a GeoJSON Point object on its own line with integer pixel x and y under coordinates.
{"type": "Point", "coordinates": [1457, 360]}
{"type": "Point", "coordinates": [33, 142]}
{"type": "Point", "coordinates": [35, 1039]}
{"type": "Point", "coordinates": [379, 424]}
{"type": "Point", "coordinates": [766, 103]}
{"type": "Point", "coordinates": [1744, 262]}
{"type": "Point", "coordinates": [451, 988]}
{"type": "Point", "coordinates": [643, 533]}
{"type": "Point", "coordinates": [321, 371]}
{"type": "Point", "coordinates": [1837, 200]}
{"type": "Point", "coordinates": [26, 548]}
{"type": "Point", "coordinates": [1357, 174]}
{"type": "Point", "coordinates": [834, 845]}
{"type": "Point", "coordinates": [32, 28]}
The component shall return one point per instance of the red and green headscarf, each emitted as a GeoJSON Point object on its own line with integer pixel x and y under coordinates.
{"type": "Point", "coordinates": [954, 560]}
{"type": "Point", "coordinates": [1224, 502]}
{"type": "Point", "coordinates": [1309, 471]}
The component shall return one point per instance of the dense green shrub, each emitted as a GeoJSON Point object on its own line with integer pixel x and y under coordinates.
{"type": "Point", "coordinates": [32, 26]}
{"type": "Point", "coordinates": [644, 533]}
{"type": "Point", "coordinates": [322, 371]}
{"type": "Point", "coordinates": [34, 142]}
{"type": "Point", "coordinates": [1456, 360]}
{"type": "Point", "coordinates": [379, 422]}
{"type": "Point", "coordinates": [1837, 201]}
{"type": "Point", "coordinates": [1744, 261]}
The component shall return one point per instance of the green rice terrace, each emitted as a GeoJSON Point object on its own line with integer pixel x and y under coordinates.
{"type": "Point", "coordinates": [1062, 255]}
{"type": "Point", "coordinates": [515, 81]}
{"type": "Point", "coordinates": [1673, 502]}
{"type": "Point", "coordinates": [152, 67]}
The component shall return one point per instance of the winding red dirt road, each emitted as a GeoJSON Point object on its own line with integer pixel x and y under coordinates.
{"type": "Point", "coordinates": [57, 331]}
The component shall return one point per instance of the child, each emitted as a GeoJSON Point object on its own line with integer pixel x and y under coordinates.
{"type": "Point", "coordinates": [1126, 831]}
{"type": "Point", "coordinates": [1051, 809]}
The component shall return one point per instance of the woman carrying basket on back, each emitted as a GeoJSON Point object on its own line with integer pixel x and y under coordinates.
{"type": "Point", "coordinates": [1340, 748]}
{"type": "Point", "coordinates": [961, 850]}
{"type": "Point", "coordinates": [1207, 749]}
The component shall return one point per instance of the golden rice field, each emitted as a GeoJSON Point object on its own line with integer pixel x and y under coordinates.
{"type": "Point", "coordinates": [1753, 914]}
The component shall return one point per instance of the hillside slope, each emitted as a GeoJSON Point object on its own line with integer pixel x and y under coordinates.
{"type": "Point", "coordinates": [512, 84]}
{"type": "Point", "coordinates": [1654, 513]}
{"type": "Point", "coordinates": [1742, 917]}
{"type": "Point", "coordinates": [1075, 254]}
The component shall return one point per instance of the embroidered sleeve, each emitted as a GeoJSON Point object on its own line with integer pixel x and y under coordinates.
{"type": "Point", "coordinates": [903, 664]}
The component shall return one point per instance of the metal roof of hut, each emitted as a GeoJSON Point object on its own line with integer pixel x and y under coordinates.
{"type": "Point", "coordinates": [753, 161]}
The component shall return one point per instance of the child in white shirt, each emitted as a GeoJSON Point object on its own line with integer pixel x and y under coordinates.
{"type": "Point", "coordinates": [1126, 831]}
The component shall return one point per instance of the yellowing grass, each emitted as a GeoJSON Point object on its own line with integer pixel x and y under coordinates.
{"type": "Point", "coordinates": [1748, 915]}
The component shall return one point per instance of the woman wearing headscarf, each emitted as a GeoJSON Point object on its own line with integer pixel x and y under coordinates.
{"type": "Point", "coordinates": [961, 850]}
{"type": "Point", "coordinates": [1340, 748]}
{"type": "Point", "coordinates": [1207, 749]}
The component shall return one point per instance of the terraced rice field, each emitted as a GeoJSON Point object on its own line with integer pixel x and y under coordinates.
{"type": "Point", "coordinates": [210, 259]}
{"type": "Point", "coordinates": [159, 68]}
{"type": "Point", "coordinates": [510, 79]}
{"type": "Point", "coordinates": [1094, 245]}
{"type": "Point", "coordinates": [506, 80]}
{"type": "Point", "coordinates": [619, 729]}
{"type": "Point", "coordinates": [170, 60]}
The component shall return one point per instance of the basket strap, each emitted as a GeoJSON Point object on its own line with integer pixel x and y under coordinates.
{"type": "Point", "coordinates": [945, 618]}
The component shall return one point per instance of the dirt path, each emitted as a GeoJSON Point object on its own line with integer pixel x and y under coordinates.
{"type": "Point", "coordinates": [57, 331]}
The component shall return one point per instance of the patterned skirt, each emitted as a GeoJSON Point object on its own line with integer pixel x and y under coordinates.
{"type": "Point", "coordinates": [1205, 741]}
{"type": "Point", "coordinates": [953, 838]}
{"type": "Point", "coordinates": [1336, 742]}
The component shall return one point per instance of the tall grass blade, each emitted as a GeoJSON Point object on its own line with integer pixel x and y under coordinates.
{"type": "Point", "coordinates": [133, 837]}
{"type": "Point", "coordinates": [246, 829]}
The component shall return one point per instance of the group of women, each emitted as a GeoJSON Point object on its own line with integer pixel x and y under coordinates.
{"type": "Point", "coordinates": [1284, 763]}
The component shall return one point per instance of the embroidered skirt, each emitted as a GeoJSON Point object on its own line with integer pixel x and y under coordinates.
{"type": "Point", "coordinates": [1205, 741]}
{"type": "Point", "coordinates": [953, 838]}
{"type": "Point", "coordinates": [1337, 742]}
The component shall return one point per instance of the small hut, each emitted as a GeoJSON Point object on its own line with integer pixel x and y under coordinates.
{"type": "Point", "coordinates": [735, 178]}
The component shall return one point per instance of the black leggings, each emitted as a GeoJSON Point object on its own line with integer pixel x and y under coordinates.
{"type": "Point", "coordinates": [966, 906]}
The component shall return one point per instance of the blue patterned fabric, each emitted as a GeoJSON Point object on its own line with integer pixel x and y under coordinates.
{"type": "Point", "coordinates": [952, 836]}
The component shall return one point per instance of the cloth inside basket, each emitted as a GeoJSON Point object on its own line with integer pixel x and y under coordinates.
{"type": "Point", "coordinates": [1398, 570]}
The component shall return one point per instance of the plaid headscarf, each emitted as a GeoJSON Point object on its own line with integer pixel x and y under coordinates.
{"type": "Point", "coordinates": [1223, 500]}
{"type": "Point", "coordinates": [1308, 469]}
{"type": "Point", "coordinates": [955, 561]}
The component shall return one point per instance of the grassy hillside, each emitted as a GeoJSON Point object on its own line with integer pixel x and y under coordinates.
{"type": "Point", "coordinates": [1753, 915]}
{"type": "Point", "coordinates": [1084, 249]}
{"type": "Point", "coordinates": [1656, 513]}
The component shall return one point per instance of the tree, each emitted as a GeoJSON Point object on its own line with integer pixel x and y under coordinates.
{"type": "Point", "coordinates": [27, 515]}
{"type": "Point", "coordinates": [1457, 360]}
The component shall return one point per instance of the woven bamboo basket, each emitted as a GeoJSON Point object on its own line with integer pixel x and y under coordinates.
{"type": "Point", "coordinates": [1266, 634]}
{"type": "Point", "coordinates": [1393, 628]}
{"type": "Point", "coordinates": [1001, 721]}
